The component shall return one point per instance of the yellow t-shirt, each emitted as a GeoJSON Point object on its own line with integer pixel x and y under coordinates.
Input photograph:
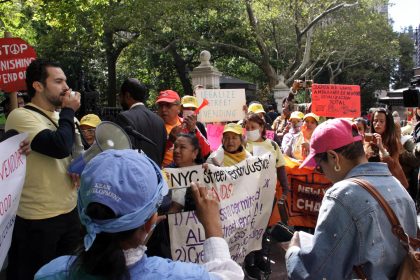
{"type": "Point", "coordinates": [258, 148]}
{"type": "Point", "coordinates": [169, 154]}
{"type": "Point", "coordinates": [48, 190]}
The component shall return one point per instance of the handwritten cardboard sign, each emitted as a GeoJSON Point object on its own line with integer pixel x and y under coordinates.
{"type": "Point", "coordinates": [224, 105]}
{"type": "Point", "coordinates": [339, 101]}
{"type": "Point", "coordinates": [245, 192]}
{"type": "Point", "coordinates": [15, 56]}
{"type": "Point", "coordinates": [12, 177]}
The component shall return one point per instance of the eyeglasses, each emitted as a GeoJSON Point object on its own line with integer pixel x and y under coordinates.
{"type": "Point", "coordinates": [88, 131]}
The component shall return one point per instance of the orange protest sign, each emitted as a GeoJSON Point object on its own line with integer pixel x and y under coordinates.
{"type": "Point", "coordinates": [338, 101]}
{"type": "Point", "coordinates": [307, 191]}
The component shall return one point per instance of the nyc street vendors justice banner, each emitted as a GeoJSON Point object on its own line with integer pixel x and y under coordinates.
{"type": "Point", "coordinates": [246, 193]}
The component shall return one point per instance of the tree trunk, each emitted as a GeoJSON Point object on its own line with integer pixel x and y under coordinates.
{"type": "Point", "coordinates": [111, 61]}
{"type": "Point", "coordinates": [271, 74]}
{"type": "Point", "coordinates": [182, 70]}
{"type": "Point", "coordinates": [112, 80]}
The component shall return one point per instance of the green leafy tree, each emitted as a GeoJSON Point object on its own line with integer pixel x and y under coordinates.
{"type": "Point", "coordinates": [404, 64]}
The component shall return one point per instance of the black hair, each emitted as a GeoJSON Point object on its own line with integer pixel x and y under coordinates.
{"type": "Point", "coordinates": [362, 121]}
{"type": "Point", "coordinates": [252, 117]}
{"type": "Point", "coordinates": [352, 151]}
{"type": "Point", "coordinates": [137, 90]}
{"type": "Point", "coordinates": [194, 142]}
{"type": "Point", "coordinates": [105, 258]}
{"type": "Point", "coordinates": [37, 72]}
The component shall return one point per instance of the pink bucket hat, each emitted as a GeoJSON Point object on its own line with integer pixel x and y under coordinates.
{"type": "Point", "coordinates": [330, 135]}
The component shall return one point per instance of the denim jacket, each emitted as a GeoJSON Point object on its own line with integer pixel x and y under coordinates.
{"type": "Point", "coordinates": [352, 229]}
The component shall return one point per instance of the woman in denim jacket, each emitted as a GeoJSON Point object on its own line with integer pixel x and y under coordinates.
{"type": "Point", "coordinates": [352, 229]}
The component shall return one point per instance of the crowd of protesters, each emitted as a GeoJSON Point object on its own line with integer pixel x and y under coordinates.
{"type": "Point", "coordinates": [66, 229]}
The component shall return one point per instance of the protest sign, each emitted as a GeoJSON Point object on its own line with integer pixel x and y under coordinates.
{"type": "Point", "coordinates": [214, 135]}
{"type": "Point", "coordinates": [246, 193]}
{"type": "Point", "coordinates": [12, 177]}
{"type": "Point", "coordinates": [224, 105]}
{"type": "Point", "coordinates": [15, 56]}
{"type": "Point", "coordinates": [339, 101]}
{"type": "Point", "coordinates": [307, 189]}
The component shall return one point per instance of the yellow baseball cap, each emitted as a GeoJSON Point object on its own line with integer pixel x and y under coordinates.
{"type": "Point", "coordinates": [311, 115]}
{"type": "Point", "coordinates": [91, 120]}
{"type": "Point", "coordinates": [189, 101]}
{"type": "Point", "coordinates": [233, 127]}
{"type": "Point", "coordinates": [296, 115]}
{"type": "Point", "coordinates": [256, 108]}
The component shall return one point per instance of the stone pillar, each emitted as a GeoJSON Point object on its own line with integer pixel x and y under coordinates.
{"type": "Point", "coordinates": [205, 74]}
{"type": "Point", "coordinates": [281, 91]}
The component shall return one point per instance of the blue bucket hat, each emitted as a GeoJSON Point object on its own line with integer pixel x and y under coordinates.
{"type": "Point", "coordinates": [126, 181]}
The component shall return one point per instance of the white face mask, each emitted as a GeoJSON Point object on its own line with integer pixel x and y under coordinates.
{"type": "Point", "coordinates": [187, 113]}
{"type": "Point", "coordinates": [253, 135]}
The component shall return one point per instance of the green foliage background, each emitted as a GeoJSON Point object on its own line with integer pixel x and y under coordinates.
{"type": "Point", "coordinates": [102, 42]}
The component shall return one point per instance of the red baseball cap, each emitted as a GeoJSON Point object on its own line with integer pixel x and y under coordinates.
{"type": "Point", "coordinates": [330, 135]}
{"type": "Point", "coordinates": [169, 96]}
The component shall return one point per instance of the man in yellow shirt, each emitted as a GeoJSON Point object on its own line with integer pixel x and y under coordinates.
{"type": "Point", "coordinates": [47, 224]}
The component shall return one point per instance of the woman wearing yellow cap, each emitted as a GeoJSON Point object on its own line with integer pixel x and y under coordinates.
{"type": "Point", "coordinates": [232, 150]}
{"type": "Point", "coordinates": [300, 148]}
{"type": "Point", "coordinates": [256, 263]}
{"type": "Point", "coordinates": [293, 127]}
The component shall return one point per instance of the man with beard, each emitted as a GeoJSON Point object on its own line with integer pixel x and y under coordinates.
{"type": "Point", "coordinates": [47, 224]}
{"type": "Point", "coordinates": [146, 129]}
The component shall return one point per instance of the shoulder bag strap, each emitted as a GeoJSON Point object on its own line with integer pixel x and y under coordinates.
{"type": "Point", "coordinates": [32, 108]}
{"type": "Point", "coordinates": [396, 226]}
{"type": "Point", "coordinates": [395, 223]}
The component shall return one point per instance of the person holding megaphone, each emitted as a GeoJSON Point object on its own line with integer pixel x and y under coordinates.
{"type": "Point", "coordinates": [47, 223]}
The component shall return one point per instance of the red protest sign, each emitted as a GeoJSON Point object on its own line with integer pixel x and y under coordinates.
{"type": "Point", "coordinates": [15, 56]}
{"type": "Point", "coordinates": [339, 101]}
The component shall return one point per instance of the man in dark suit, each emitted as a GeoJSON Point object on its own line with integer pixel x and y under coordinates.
{"type": "Point", "coordinates": [141, 124]}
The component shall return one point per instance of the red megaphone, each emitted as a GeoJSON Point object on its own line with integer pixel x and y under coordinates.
{"type": "Point", "coordinates": [203, 104]}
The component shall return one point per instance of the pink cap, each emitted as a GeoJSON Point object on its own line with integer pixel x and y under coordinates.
{"type": "Point", "coordinates": [330, 135]}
